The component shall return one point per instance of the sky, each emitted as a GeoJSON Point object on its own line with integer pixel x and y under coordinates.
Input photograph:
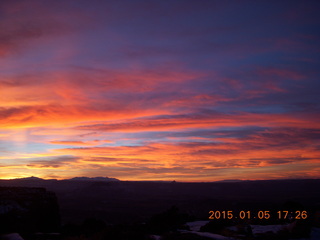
{"type": "Point", "coordinates": [160, 90]}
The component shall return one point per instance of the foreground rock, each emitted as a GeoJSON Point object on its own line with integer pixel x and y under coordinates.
{"type": "Point", "coordinates": [28, 210]}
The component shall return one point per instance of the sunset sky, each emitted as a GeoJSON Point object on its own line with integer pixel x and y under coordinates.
{"type": "Point", "coordinates": [160, 90]}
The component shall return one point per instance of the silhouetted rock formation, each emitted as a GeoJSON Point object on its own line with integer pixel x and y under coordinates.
{"type": "Point", "coordinates": [96, 179]}
{"type": "Point", "coordinates": [28, 210]}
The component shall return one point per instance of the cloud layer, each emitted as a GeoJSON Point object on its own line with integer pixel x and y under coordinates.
{"type": "Point", "coordinates": [154, 91]}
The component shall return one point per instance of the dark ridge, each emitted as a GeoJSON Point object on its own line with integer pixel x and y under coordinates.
{"type": "Point", "coordinates": [27, 210]}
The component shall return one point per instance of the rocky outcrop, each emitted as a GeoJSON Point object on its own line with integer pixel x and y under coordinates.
{"type": "Point", "coordinates": [28, 210]}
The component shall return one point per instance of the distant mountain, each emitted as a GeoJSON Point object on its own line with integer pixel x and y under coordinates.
{"type": "Point", "coordinates": [29, 179]}
{"type": "Point", "coordinates": [231, 180]}
{"type": "Point", "coordinates": [100, 179]}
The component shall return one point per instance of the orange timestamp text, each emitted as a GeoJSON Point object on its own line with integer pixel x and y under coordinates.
{"type": "Point", "coordinates": [258, 214]}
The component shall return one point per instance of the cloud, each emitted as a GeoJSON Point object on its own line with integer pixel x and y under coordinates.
{"type": "Point", "coordinates": [23, 24]}
{"type": "Point", "coordinates": [62, 162]}
{"type": "Point", "coordinates": [223, 151]}
{"type": "Point", "coordinates": [95, 93]}
{"type": "Point", "coordinates": [206, 119]}
{"type": "Point", "coordinates": [81, 143]}
{"type": "Point", "coordinates": [181, 90]}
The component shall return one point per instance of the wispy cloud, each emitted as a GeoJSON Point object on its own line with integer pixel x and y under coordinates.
{"type": "Point", "coordinates": [147, 90]}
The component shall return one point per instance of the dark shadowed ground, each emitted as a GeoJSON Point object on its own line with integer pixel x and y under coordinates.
{"type": "Point", "coordinates": [127, 202]}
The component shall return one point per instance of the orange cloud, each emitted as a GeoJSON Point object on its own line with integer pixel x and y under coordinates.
{"type": "Point", "coordinates": [91, 95]}
{"type": "Point", "coordinates": [81, 143]}
{"type": "Point", "coordinates": [214, 119]}
{"type": "Point", "coordinates": [171, 109]}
